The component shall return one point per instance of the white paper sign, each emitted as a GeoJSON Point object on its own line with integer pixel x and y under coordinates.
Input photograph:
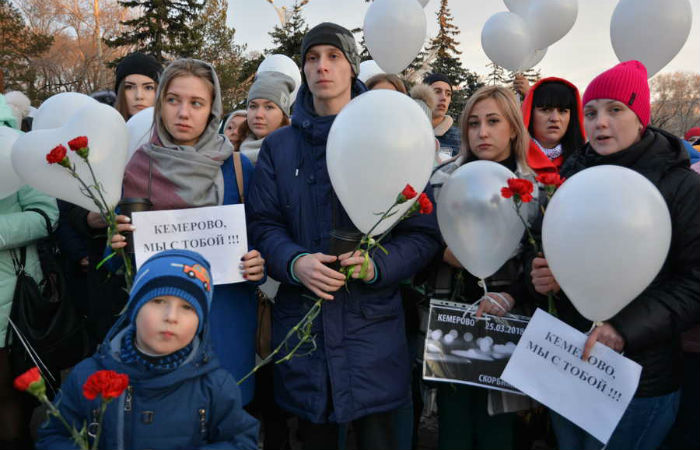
{"type": "Point", "coordinates": [216, 232]}
{"type": "Point", "coordinates": [547, 366]}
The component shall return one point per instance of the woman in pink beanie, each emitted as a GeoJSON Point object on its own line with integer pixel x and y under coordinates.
{"type": "Point", "coordinates": [616, 119]}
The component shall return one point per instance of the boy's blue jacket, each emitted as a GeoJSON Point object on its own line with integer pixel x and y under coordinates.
{"type": "Point", "coordinates": [196, 406]}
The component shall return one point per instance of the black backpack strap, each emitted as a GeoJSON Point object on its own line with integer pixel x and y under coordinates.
{"type": "Point", "coordinates": [49, 228]}
{"type": "Point", "coordinates": [19, 261]}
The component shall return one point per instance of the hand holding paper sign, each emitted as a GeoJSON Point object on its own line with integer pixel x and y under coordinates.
{"type": "Point", "coordinates": [606, 334]}
{"type": "Point", "coordinates": [253, 266]}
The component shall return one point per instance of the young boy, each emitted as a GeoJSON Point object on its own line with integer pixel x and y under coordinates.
{"type": "Point", "coordinates": [178, 395]}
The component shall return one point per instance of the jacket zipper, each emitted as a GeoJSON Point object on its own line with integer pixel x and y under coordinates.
{"type": "Point", "coordinates": [203, 422]}
{"type": "Point", "coordinates": [121, 429]}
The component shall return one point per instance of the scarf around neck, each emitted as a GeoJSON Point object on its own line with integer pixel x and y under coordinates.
{"type": "Point", "coordinates": [551, 153]}
{"type": "Point", "coordinates": [181, 176]}
{"type": "Point", "coordinates": [250, 147]}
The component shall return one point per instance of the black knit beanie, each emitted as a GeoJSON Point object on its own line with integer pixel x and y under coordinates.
{"type": "Point", "coordinates": [433, 77]}
{"type": "Point", "coordinates": [140, 64]}
{"type": "Point", "coordinates": [328, 33]}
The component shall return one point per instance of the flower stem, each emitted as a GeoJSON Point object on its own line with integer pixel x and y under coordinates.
{"type": "Point", "coordinates": [103, 408]}
{"type": "Point", "coordinates": [79, 439]}
{"type": "Point", "coordinates": [308, 318]}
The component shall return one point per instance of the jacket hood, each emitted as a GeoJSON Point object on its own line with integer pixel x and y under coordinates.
{"type": "Point", "coordinates": [201, 359]}
{"type": "Point", "coordinates": [527, 103]}
{"type": "Point", "coordinates": [210, 141]}
{"type": "Point", "coordinates": [536, 159]}
{"type": "Point", "coordinates": [314, 127]}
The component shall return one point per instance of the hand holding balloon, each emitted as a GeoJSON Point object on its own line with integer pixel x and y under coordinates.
{"type": "Point", "coordinates": [496, 304]}
{"type": "Point", "coordinates": [542, 278]}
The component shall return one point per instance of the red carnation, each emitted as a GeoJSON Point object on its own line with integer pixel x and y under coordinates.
{"type": "Point", "coordinates": [57, 156]}
{"type": "Point", "coordinates": [107, 383]}
{"type": "Point", "coordinates": [28, 378]}
{"type": "Point", "coordinates": [407, 194]}
{"type": "Point", "coordinates": [550, 179]}
{"type": "Point", "coordinates": [520, 188]}
{"type": "Point", "coordinates": [80, 146]}
{"type": "Point", "coordinates": [426, 206]}
{"type": "Point", "coordinates": [78, 143]}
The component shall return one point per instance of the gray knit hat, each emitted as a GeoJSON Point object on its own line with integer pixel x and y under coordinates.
{"type": "Point", "coordinates": [275, 87]}
{"type": "Point", "coordinates": [328, 33]}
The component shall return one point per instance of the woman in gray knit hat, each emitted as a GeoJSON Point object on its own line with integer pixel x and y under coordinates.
{"type": "Point", "coordinates": [269, 102]}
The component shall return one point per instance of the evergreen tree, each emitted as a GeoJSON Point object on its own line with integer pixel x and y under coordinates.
{"type": "Point", "coordinates": [219, 49]}
{"type": "Point", "coordinates": [287, 38]}
{"type": "Point", "coordinates": [464, 81]}
{"type": "Point", "coordinates": [18, 45]}
{"type": "Point", "coordinates": [165, 28]}
{"type": "Point", "coordinates": [497, 75]}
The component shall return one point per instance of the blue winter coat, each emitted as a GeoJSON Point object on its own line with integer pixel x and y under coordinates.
{"type": "Point", "coordinates": [233, 318]}
{"type": "Point", "coordinates": [198, 405]}
{"type": "Point", "coordinates": [361, 364]}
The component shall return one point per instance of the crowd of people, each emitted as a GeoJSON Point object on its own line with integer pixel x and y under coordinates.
{"type": "Point", "coordinates": [184, 343]}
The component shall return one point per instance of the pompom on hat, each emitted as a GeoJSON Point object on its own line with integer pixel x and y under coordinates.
{"type": "Point", "coordinates": [626, 83]}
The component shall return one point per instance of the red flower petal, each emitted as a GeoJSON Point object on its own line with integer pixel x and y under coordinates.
{"type": "Point", "coordinates": [28, 378]}
{"type": "Point", "coordinates": [78, 143]}
{"type": "Point", "coordinates": [409, 192]}
{"type": "Point", "coordinates": [56, 155]}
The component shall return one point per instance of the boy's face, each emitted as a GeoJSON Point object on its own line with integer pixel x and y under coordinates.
{"type": "Point", "coordinates": [328, 72]}
{"type": "Point", "coordinates": [165, 325]}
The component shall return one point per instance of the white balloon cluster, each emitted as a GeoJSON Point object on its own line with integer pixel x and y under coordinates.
{"type": "Point", "coordinates": [518, 39]}
{"type": "Point", "coordinates": [63, 117]}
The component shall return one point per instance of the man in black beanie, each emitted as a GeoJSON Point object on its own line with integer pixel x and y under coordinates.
{"type": "Point", "coordinates": [358, 370]}
{"type": "Point", "coordinates": [443, 125]}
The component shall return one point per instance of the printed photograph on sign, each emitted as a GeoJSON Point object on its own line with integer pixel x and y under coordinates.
{"type": "Point", "coordinates": [461, 348]}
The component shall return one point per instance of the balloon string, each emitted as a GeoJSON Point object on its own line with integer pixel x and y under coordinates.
{"type": "Point", "coordinates": [483, 285]}
{"type": "Point", "coordinates": [594, 325]}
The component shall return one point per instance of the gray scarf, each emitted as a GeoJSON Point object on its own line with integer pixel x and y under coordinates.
{"type": "Point", "coordinates": [182, 176]}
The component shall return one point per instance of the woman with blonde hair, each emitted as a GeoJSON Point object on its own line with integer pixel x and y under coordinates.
{"type": "Point", "coordinates": [492, 130]}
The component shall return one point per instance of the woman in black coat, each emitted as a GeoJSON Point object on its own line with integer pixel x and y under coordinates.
{"type": "Point", "coordinates": [616, 117]}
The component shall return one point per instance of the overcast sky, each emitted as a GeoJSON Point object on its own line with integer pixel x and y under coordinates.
{"type": "Point", "coordinates": [579, 56]}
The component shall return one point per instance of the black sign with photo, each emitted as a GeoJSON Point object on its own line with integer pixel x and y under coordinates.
{"type": "Point", "coordinates": [461, 348]}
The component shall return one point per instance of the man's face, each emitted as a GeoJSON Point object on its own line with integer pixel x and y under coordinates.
{"type": "Point", "coordinates": [443, 92]}
{"type": "Point", "coordinates": [328, 73]}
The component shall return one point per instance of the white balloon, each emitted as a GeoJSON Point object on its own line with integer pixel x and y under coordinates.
{"type": "Point", "coordinates": [9, 181]}
{"type": "Point", "coordinates": [107, 140]}
{"type": "Point", "coordinates": [380, 141]}
{"type": "Point", "coordinates": [550, 20]}
{"type": "Point", "coordinates": [57, 109]}
{"type": "Point", "coordinates": [139, 126]}
{"type": "Point", "coordinates": [518, 7]}
{"type": "Point", "coordinates": [505, 39]}
{"type": "Point", "coordinates": [283, 64]}
{"type": "Point", "coordinates": [535, 57]}
{"type": "Point", "coordinates": [368, 69]}
{"type": "Point", "coordinates": [606, 234]}
{"type": "Point", "coordinates": [394, 32]}
{"type": "Point", "coordinates": [479, 226]}
{"type": "Point", "coordinates": [650, 31]}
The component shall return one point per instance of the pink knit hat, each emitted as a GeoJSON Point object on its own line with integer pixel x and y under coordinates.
{"type": "Point", "coordinates": [626, 83]}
